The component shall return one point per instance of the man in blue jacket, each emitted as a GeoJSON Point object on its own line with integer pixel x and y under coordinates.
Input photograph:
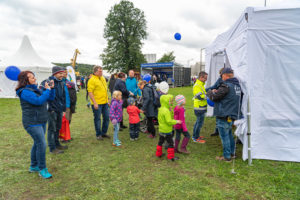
{"type": "Point", "coordinates": [55, 111]}
{"type": "Point", "coordinates": [131, 84]}
{"type": "Point", "coordinates": [227, 109]}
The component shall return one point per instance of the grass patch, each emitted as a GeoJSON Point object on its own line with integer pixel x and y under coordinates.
{"type": "Point", "coordinates": [92, 169]}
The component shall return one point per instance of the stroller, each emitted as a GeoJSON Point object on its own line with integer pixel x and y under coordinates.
{"type": "Point", "coordinates": [143, 122]}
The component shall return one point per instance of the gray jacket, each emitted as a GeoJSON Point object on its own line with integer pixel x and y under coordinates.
{"type": "Point", "coordinates": [148, 106]}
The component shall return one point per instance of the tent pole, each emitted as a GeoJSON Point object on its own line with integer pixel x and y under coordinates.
{"type": "Point", "coordinates": [249, 133]}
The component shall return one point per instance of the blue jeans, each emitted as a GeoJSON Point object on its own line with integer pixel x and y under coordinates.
{"type": "Point", "coordinates": [116, 132]}
{"type": "Point", "coordinates": [102, 109]}
{"type": "Point", "coordinates": [54, 125]}
{"type": "Point", "coordinates": [225, 131]}
{"type": "Point", "coordinates": [199, 123]}
{"type": "Point", "coordinates": [38, 150]}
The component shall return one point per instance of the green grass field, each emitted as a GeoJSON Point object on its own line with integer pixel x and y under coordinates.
{"type": "Point", "coordinates": [92, 169]}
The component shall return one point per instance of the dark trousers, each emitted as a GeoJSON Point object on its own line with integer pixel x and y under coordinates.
{"type": "Point", "coordinates": [134, 130]}
{"type": "Point", "coordinates": [168, 138]}
{"type": "Point", "coordinates": [150, 126]}
{"type": "Point", "coordinates": [178, 134]}
{"type": "Point", "coordinates": [54, 125]}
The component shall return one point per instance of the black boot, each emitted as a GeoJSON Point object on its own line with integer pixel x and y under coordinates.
{"type": "Point", "coordinates": [122, 125]}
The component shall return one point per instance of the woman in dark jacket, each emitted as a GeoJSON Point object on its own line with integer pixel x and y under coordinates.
{"type": "Point", "coordinates": [120, 85]}
{"type": "Point", "coordinates": [150, 110]}
{"type": "Point", "coordinates": [34, 117]}
{"type": "Point", "coordinates": [112, 82]}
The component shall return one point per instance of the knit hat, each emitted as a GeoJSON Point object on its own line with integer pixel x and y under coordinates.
{"type": "Point", "coordinates": [227, 70]}
{"type": "Point", "coordinates": [57, 69]}
{"type": "Point", "coordinates": [180, 99]}
{"type": "Point", "coordinates": [164, 87]}
{"type": "Point", "coordinates": [130, 100]}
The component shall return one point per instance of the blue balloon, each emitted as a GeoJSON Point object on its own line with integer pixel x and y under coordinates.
{"type": "Point", "coordinates": [12, 73]}
{"type": "Point", "coordinates": [210, 102]}
{"type": "Point", "coordinates": [147, 77]}
{"type": "Point", "coordinates": [177, 36]}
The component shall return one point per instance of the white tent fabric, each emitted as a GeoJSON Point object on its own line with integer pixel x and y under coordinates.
{"type": "Point", "coordinates": [25, 58]}
{"type": "Point", "coordinates": [263, 48]}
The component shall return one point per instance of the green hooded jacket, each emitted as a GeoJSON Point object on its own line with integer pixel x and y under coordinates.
{"type": "Point", "coordinates": [165, 118]}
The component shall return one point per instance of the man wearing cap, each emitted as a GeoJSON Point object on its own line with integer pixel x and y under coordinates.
{"type": "Point", "coordinates": [200, 105]}
{"type": "Point", "coordinates": [226, 110]}
{"type": "Point", "coordinates": [55, 111]}
{"type": "Point", "coordinates": [97, 90]}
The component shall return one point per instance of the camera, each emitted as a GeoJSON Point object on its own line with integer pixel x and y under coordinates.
{"type": "Point", "coordinates": [49, 82]}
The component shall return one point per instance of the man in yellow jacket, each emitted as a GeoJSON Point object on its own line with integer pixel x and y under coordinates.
{"type": "Point", "coordinates": [200, 105]}
{"type": "Point", "coordinates": [97, 90]}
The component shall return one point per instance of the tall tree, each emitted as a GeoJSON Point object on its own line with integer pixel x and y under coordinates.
{"type": "Point", "coordinates": [124, 30]}
{"type": "Point", "coordinates": [167, 57]}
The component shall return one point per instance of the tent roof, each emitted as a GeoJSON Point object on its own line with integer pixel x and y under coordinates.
{"type": "Point", "coordinates": [26, 56]}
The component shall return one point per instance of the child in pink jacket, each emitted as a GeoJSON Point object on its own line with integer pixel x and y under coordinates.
{"type": "Point", "coordinates": [181, 128]}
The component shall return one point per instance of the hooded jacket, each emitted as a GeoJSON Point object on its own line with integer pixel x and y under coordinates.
{"type": "Point", "coordinates": [148, 104]}
{"type": "Point", "coordinates": [165, 118]}
{"type": "Point", "coordinates": [133, 113]}
{"type": "Point", "coordinates": [116, 111]}
{"type": "Point", "coordinates": [179, 115]}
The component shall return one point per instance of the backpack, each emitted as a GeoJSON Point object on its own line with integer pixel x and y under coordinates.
{"type": "Point", "coordinates": [156, 97]}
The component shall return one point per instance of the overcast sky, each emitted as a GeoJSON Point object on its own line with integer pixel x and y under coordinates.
{"type": "Point", "coordinates": [57, 28]}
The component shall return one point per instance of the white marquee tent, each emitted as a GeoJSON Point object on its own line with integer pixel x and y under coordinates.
{"type": "Point", "coordinates": [263, 48]}
{"type": "Point", "coordinates": [25, 58]}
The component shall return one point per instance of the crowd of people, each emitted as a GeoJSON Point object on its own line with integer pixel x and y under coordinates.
{"type": "Point", "coordinates": [56, 97]}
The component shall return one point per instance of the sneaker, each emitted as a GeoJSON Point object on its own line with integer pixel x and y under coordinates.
{"type": "Point", "coordinates": [99, 137]}
{"type": "Point", "coordinates": [65, 141]}
{"type": "Point", "coordinates": [34, 169]}
{"type": "Point", "coordinates": [57, 151]}
{"type": "Point", "coordinates": [233, 156]}
{"type": "Point", "coordinates": [117, 144]}
{"type": "Point", "coordinates": [45, 174]}
{"type": "Point", "coordinates": [200, 138]}
{"type": "Point", "coordinates": [214, 134]}
{"type": "Point", "coordinates": [135, 139]}
{"type": "Point", "coordinates": [194, 140]}
{"type": "Point", "coordinates": [151, 136]}
{"type": "Point", "coordinates": [106, 136]}
{"type": "Point", "coordinates": [132, 139]}
{"type": "Point", "coordinates": [62, 147]}
{"type": "Point", "coordinates": [201, 141]}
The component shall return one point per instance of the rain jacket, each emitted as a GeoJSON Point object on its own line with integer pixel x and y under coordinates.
{"type": "Point", "coordinates": [133, 113]}
{"type": "Point", "coordinates": [116, 111]}
{"type": "Point", "coordinates": [165, 118]}
{"type": "Point", "coordinates": [179, 115]}
{"type": "Point", "coordinates": [199, 93]}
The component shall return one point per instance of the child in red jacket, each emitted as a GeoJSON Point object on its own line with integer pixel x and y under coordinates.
{"type": "Point", "coordinates": [180, 128]}
{"type": "Point", "coordinates": [134, 119]}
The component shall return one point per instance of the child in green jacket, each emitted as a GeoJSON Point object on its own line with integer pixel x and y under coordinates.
{"type": "Point", "coordinates": [166, 123]}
